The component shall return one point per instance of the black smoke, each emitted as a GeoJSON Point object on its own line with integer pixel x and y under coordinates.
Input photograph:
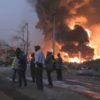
{"type": "Point", "coordinates": [73, 41]}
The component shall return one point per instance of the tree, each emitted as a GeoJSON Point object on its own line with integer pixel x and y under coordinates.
{"type": "Point", "coordinates": [6, 53]}
{"type": "Point", "coordinates": [22, 38]}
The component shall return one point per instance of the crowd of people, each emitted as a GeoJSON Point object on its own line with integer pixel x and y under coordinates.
{"type": "Point", "coordinates": [38, 63]}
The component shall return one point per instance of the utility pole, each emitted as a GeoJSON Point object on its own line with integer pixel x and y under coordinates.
{"type": "Point", "coordinates": [27, 39]}
{"type": "Point", "coordinates": [53, 36]}
{"type": "Point", "coordinates": [23, 35]}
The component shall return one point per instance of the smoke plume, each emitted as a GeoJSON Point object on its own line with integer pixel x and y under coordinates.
{"type": "Point", "coordinates": [73, 41]}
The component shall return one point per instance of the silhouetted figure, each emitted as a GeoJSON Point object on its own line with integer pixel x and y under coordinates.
{"type": "Point", "coordinates": [49, 67]}
{"type": "Point", "coordinates": [59, 67]}
{"type": "Point", "coordinates": [22, 60]}
{"type": "Point", "coordinates": [39, 61]}
{"type": "Point", "coordinates": [32, 67]}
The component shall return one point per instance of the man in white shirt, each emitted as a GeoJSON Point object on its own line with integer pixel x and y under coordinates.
{"type": "Point", "coordinates": [39, 61]}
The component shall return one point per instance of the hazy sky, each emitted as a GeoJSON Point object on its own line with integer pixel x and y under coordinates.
{"type": "Point", "coordinates": [13, 13]}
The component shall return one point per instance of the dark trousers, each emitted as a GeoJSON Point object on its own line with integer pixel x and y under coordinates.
{"type": "Point", "coordinates": [22, 77]}
{"type": "Point", "coordinates": [32, 69]}
{"type": "Point", "coordinates": [39, 76]}
{"type": "Point", "coordinates": [59, 74]}
{"type": "Point", "coordinates": [14, 75]}
{"type": "Point", "coordinates": [49, 77]}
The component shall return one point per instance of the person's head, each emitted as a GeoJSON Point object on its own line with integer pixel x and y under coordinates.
{"type": "Point", "coordinates": [58, 55]}
{"type": "Point", "coordinates": [53, 57]}
{"type": "Point", "coordinates": [32, 55]}
{"type": "Point", "coordinates": [18, 51]}
{"type": "Point", "coordinates": [37, 48]}
{"type": "Point", "coordinates": [48, 53]}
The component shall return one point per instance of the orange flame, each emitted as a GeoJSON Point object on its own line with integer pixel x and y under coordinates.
{"type": "Point", "coordinates": [95, 39]}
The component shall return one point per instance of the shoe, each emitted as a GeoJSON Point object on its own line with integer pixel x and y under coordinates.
{"type": "Point", "coordinates": [33, 81]}
{"type": "Point", "coordinates": [19, 86]}
{"type": "Point", "coordinates": [41, 89]}
{"type": "Point", "coordinates": [25, 84]}
{"type": "Point", "coordinates": [50, 86]}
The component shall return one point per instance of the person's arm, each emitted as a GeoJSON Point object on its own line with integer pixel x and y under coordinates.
{"type": "Point", "coordinates": [43, 59]}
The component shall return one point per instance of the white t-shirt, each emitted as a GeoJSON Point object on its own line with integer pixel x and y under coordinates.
{"type": "Point", "coordinates": [39, 57]}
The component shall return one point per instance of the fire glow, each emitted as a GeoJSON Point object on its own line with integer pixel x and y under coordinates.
{"type": "Point", "coordinates": [91, 44]}
{"type": "Point", "coordinates": [77, 58]}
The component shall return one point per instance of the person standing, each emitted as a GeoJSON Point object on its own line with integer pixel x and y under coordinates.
{"type": "Point", "coordinates": [39, 61]}
{"type": "Point", "coordinates": [49, 67]}
{"type": "Point", "coordinates": [32, 67]}
{"type": "Point", "coordinates": [22, 60]}
{"type": "Point", "coordinates": [59, 67]}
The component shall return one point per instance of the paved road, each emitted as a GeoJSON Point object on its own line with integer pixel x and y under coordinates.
{"type": "Point", "coordinates": [72, 88]}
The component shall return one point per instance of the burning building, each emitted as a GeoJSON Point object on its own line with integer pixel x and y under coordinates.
{"type": "Point", "coordinates": [77, 27]}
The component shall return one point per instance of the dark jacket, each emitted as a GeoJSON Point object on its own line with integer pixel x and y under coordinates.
{"type": "Point", "coordinates": [59, 63]}
{"type": "Point", "coordinates": [32, 64]}
{"type": "Point", "coordinates": [22, 61]}
{"type": "Point", "coordinates": [49, 62]}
